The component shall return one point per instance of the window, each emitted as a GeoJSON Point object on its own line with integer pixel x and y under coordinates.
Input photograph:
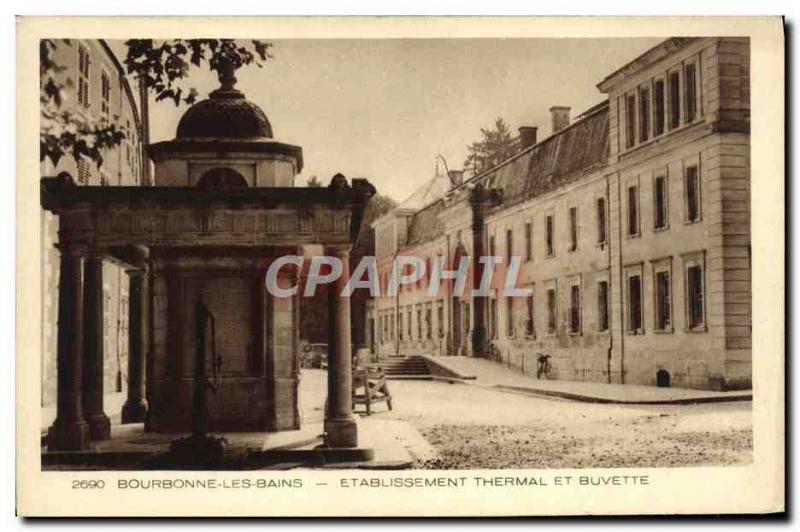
{"type": "Point", "coordinates": [509, 245]}
{"type": "Point", "coordinates": [602, 306]}
{"type": "Point", "coordinates": [551, 310]}
{"type": "Point", "coordinates": [601, 220]}
{"type": "Point", "coordinates": [658, 107]}
{"type": "Point", "coordinates": [548, 231]}
{"type": "Point", "coordinates": [440, 318]}
{"type": "Point", "coordinates": [105, 93]}
{"type": "Point", "coordinates": [400, 327]}
{"type": "Point", "coordinates": [692, 194]}
{"type": "Point", "coordinates": [694, 296]}
{"type": "Point", "coordinates": [674, 100]}
{"type": "Point", "coordinates": [528, 241]}
{"type": "Point", "coordinates": [690, 91]}
{"type": "Point", "coordinates": [391, 326]}
{"type": "Point", "coordinates": [410, 316]}
{"type": "Point", "coordinates": [83, 171]}
{"type": "Point", "coordinates": [634, 303]}
{"type": "Point", "coordinates": [419, 323]}
{"type": "Point", "coordinates": [83, 76]}
{"type": "Point", "coordinates": [428, 321]}
{"type": "Point", "coordinates": [575, 309]}
{"type": "Point", "coordinates": [661, 214]}
{"type": "Point", "coordinates": [663, 301]}
{"type": "Point", "coordinates": [530, 328]}
{"type": "Point", "coordinates": [644, 114]}
{"type": "Point", "coordinates": [509, 317]}
{"type": "Point", "coordinates": [492, 246]}
{"type": "Point", "coordinates": [633, 210]}
{"type": "Point", "coordinates": [573, 228]}
{"type": "Point", "coordinates": [630, 121]}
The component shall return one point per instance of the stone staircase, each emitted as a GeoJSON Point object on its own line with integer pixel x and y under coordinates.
{"type": "Point", "coordinates": [413, 367]}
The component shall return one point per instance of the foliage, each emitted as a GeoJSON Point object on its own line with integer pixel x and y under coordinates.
{"type": "Point", "coordinates": [62, 131]}
{"type": "Point", "coordinates": [495, 146]}
{"type": "Point", "coordinates": [314, 182]}
{"type": "Point", "coordinates": [160, 66]}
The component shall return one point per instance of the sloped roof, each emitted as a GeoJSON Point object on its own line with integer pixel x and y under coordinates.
{"type": "Point", "coordinates": [430, 191]}
{"type": "Point", "coordinates": [425, 224]}
{"type": "Point", "coordinates": [556, 161]}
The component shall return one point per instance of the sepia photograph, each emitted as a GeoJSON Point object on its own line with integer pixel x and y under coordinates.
{"type": "Point", "coordinates": [394, 256]}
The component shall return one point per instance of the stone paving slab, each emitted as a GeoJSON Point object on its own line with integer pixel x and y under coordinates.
{"type": "Point", "coordinates": [392, 444]}
{"type": "Point", "coordinates": [486, 373]}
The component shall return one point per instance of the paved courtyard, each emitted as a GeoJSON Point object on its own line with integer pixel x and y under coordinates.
{"type": "Point", "coordinates": [477, 427]}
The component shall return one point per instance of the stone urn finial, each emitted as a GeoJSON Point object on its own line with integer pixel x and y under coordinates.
{"type": "Point", "coordinates": [226, 74]}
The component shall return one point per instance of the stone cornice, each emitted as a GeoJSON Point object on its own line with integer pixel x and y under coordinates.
{"type": "Point", "coordinates": [650, 57]}
{"type": "Point", "coordinates": [160, 151]}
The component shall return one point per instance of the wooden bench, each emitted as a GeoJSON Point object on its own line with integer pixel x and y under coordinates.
{"type": "Point", "coordinates": [375, 388]}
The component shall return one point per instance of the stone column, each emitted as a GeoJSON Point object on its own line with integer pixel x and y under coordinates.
{"type": "Point", "coordinates": [478, 302]}
{"type": "Point", "coordinates": [69, 432]}
{"type": "Point", "coordinates": [135, 408]}
{"type": "Point", "coordinates": [340, 425]}
{"type": "Point", "coordinates": [93, 340]}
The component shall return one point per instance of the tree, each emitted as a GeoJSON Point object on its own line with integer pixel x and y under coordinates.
{"type": "Point", "coordinates": [495, 146]}
{"type": "Point", "coordinates": [314, 182]}
{"type": "Point", "coordinates": [158, 66]}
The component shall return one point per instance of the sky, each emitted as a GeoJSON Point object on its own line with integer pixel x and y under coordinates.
{"type": "Point", "coordinates": [384, 109]}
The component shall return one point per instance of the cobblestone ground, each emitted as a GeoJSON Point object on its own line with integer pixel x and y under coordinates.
{"type": "Point", "coordinates": [473, 427]}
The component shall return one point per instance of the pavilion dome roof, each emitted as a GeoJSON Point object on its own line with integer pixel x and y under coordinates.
{"type": "Point", "coordinates": [226, 113]}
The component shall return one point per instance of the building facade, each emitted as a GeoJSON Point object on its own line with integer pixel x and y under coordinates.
{"type": "Point", "coordinates": [631, 224]}
{"type": "Point", "coordinates": [99, 90]}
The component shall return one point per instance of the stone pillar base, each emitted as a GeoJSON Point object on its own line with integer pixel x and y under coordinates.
{"type": "Point", "coordinates": [99, 426]}
{"type": "Point", "coordinates": [72, 436]}
{"type": "Point", "coordinates": [341, 433]}
{"type": "Point", "coordinates": [134, 412]}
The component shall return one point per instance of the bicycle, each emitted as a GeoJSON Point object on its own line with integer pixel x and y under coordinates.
{"type": "Point", "coordinates": [543, 365]}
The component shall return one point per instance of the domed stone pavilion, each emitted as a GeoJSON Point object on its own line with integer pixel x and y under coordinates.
{"type": "Point", "coordinates": [211, 349]}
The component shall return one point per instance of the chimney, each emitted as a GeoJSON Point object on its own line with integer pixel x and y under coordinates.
{"type": "Point", "coordinates": [559, 117]}
{"type": "Point", "coordinates": [527, 136]}
{"type": "Point", "coordinates": [456, 177]}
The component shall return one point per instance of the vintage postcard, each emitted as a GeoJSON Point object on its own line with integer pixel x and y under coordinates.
{"type": "Point", "coordinates": [400, 266]}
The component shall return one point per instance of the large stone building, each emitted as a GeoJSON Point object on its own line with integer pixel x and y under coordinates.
{"type": "Point", "coordinates": [98, 90]}
{"type": "Point", "coordinates": [632, 223]}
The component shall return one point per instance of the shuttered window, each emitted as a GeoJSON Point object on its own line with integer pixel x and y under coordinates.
{"type": "Point", "coordinates": [83, 76]}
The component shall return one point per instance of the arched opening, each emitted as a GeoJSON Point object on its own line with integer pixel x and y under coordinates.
{"type": "Point", "coordinates": [222, 178]}
{"type": "Point", "coordinates": [662, 378]}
